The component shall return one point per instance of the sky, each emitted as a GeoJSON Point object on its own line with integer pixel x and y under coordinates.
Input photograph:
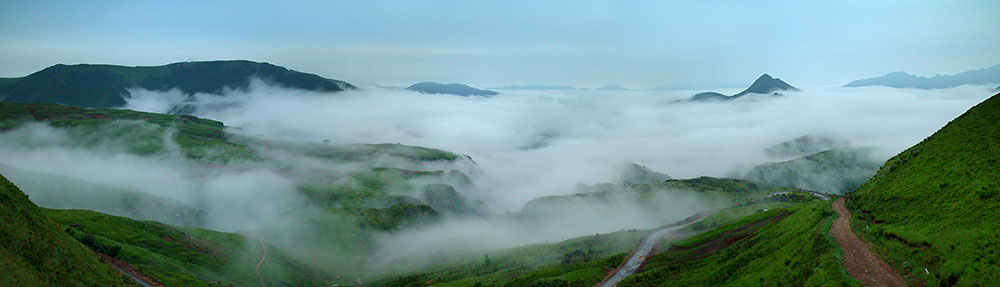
{"type": "Point", "coordinates": [636, 44]}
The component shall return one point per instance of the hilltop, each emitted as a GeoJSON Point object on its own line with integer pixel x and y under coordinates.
{"type": "Point", "coordinates": [764, 84]}
{"type": "Point", "coordinates": [901, 79]}
{"type": "Point", "coordinates": [35, 251]}
{"type": "Point", "coordinates": [936, 205]}
{"type": "Point", "coordinates": [87, 85]}
{"type": "Point", "coordinates": [834, 171]}
{"type": "Point", "coordinates": [450, 89]}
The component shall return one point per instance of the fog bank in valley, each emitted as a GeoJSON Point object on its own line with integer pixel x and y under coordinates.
{"type": "Point", "coordinates": [523, 144]}
{"type": "Point", "coordinates": [535, 143]}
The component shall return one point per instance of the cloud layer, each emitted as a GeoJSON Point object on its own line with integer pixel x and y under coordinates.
{"type": "Point", "coordinates": [536, 143]}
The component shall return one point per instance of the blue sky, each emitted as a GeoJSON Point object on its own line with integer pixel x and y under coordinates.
{"type": "Point", "coordinates": [641, 44]}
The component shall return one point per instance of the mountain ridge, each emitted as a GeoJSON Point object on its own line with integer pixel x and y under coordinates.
{"type": "Point", "coordinates": [102, 85]}
{"type": "Point", "coordinates": [449, 89]}
{"type": "Point", "coordinates": [989, 75]}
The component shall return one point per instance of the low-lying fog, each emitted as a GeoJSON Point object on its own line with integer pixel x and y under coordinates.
{"type": "Point", "coordinates": [527, 144]}
{"type": "Point", "coordinates": [536, 143]}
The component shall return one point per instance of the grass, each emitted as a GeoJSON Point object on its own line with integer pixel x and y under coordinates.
{"type": "Point", "coordinates": [579, 261]}
{"type": "Point", "coordinates": [136, 132]}
{"type": "Point", "coordinates": [35, 251]}
{"type": "Point", "coordinates": [187, 256]}
{"type": "Point", "coordinates": [707, 187]}
{"type": "Point", "coordinates": [788, 246]}
{"type": "Point", "coordinates": [937, 204]}
{"type": "Point", "coordinates": [346, 217]}
{"type": "Point", "coordinates": [582, 261]}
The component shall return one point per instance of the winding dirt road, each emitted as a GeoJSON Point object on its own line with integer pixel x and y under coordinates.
{"type": "Point", "coordinates": [859, 260]}
{"type": "Point", "coordinates": [262, 258]}
{"type": "Point", "coordinates": [129, 271]}
{"type": "Point", "coordinates": [638, 257]}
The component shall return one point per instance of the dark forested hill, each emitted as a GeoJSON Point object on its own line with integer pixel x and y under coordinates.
{"type": "Point", "coordinates": [87, 85]}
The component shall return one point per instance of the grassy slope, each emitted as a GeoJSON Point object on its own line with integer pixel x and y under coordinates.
{"type": "Point", "coordinates": [186, 256]}
{"type": "Point", "coordinates": [197, 138]}
{"type": "Point", "coordinates": [347, 217]}
{"type": "Point", "coordinates": [35, 251]}
{"type": "Point", "coordinates": [581, 261]}
{"type": "Point", "coordinates": [575, 260]}
{"type": "Point", "coordinates": [937, 204]}
{"type": "Point", "coordinates": [834, 171]}
{"type": "Point", "coordinates": [105, 85]}
{"type": "Point", "coordinates": [710, 187]}
{"type": "Point", "coordinates": [795, 251]}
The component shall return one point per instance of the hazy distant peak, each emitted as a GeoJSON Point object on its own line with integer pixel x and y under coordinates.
{"type": "Point", "coordinates": [764, 84]}
{"type": "Point", "coordinates": [451, 89]}
{"type": "Point", "coordinates": [901, 79]}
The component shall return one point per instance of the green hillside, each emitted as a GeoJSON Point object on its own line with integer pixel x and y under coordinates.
{"type": "Point", "coordinates": [937, 204]}
{"type": "Point", "coordinates": [186, 256]}
{"type": "Point", "coordinates": [833, 171]}
{"type": "Point", "coordinates": [778, 247]}
{"type": "Point", "coordinates": [86, 85]}
{"type": "Point", "coordinates": [718, 189]}
{"type": "Point", "coordinates": [35, 251]}
{"type": "Point", "coordinates": [582, 261]}
{"type": "Point", "coordinates": [352, 193]}
{"type": "Point", "coordinates": [136, 132]}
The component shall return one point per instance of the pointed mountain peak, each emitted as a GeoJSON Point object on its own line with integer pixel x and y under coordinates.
{"type": "Point", "coordinates": [766, 85]}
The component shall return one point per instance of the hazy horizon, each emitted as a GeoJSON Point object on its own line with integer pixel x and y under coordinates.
{"type": "Point", "coordinates": [638, 45]}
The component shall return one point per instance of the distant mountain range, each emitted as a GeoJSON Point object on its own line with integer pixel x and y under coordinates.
{"type": "Point", "coordinates": [985, 76]}
{"type": "Point", "coordinates": [450, 89]}
{"type": "Point", "coordinates": [87, 85]}
{"type": "Point", "coordinates": [765, 84]}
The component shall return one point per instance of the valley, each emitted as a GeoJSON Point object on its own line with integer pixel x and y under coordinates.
{"type": "Point", "coordinates": [237, 207]}
{"type": "Point", "coordinates": [499, 144]}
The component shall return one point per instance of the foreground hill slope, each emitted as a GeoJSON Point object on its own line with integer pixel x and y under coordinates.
{"type": "Point", "coordinates": [87, 85]}
{"type": "Point", "coordinates": [188, 256]}
{"type": "Point", "coordinates": [777, 247]}
{"type": "Point", "coordinates": [35, 251]}
{"type": "Point", "coordinates": [937, 204]}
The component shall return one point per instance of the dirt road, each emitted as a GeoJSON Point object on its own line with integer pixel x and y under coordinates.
{"type": "Point", "coordinates": [128, 270]}
{"type": "Point", "coordinates": [262, 258]}
{"type": "Point", "coordinates": [859, 260]}
{"type": "Point", "coordinates": [638, 257]}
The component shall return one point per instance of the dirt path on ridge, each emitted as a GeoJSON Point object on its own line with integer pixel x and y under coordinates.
{"type": "Point", "coordinates": [262, 258]}
{"type": "Point", "coordinates": [859, 260]}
